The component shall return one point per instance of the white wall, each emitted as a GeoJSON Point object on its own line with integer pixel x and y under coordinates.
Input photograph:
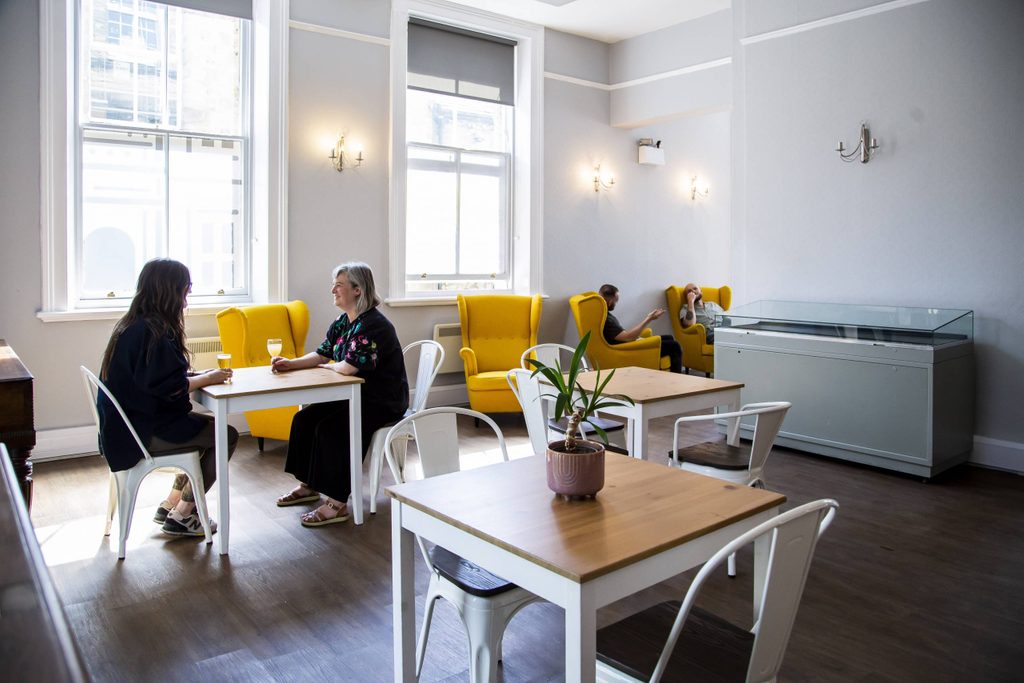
{"type": "Point", "coordinates": [935, 219]}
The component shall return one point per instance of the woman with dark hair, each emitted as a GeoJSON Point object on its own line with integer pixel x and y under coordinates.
{"type": "Point", "coordinates": [361, 342]}
{"type": "Point", "coordinates": [145, 366]}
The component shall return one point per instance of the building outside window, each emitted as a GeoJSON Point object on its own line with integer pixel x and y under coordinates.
{"type": "Point", "coordinates": [163, 135]}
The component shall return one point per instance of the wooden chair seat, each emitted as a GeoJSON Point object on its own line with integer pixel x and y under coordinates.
{"type": "Point", "coordinates": [717, 454]}
{"type": "Point", "coordinates": [709, 649]}
{"type": "Point", "coordinates": [471, 578]}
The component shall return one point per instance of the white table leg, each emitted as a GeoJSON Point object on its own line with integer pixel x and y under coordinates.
{"type": "Point", "coordinates": [733, 424]}
{"type": "Point", "coordinates": [640, 436]}
{"type": "Point", "coordinates": [356, 452]}
{"type": "Point", "coordinates": [403, 597]}
{"type": "Point", "coordinates": [220, 427]}
{"type": "Point", "coordinates": [580, 635]}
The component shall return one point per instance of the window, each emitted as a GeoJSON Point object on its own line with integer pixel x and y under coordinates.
{"type": "Point", "coordinates": [151, 105]}
{"type": "Point", "coordinates": [465, 211]}
{"type": "Point", "coordinates": [163, 151]}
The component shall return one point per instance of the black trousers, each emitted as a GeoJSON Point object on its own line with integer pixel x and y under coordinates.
{"type": "Point", "coordinates": [204, 441]}
{"type": "Point", "coordinates": [671, 348]}
{"type": "Point", "coordinates": [318, 445]}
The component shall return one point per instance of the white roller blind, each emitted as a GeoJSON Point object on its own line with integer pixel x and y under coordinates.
{"type": "Point", "coordinates": [232, 8]}
{"type": "Point", "coordinates": [454, 61]}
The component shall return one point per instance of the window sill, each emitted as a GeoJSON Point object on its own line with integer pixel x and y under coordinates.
{"type": "Point", "coordinates": [83, 314]}
{"type": "Point", "coordinates": [402, 302]}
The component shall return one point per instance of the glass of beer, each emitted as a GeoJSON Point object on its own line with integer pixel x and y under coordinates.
{"type": "Point", "coordinates": [224, 363]}
{"type": "Point", "coordinates": [274, 347]}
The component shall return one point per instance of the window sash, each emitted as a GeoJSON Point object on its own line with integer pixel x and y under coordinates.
{"type": "Point", "coordinates": [459, 168]}
{"type": "Point", "coordinates": [88, 298]}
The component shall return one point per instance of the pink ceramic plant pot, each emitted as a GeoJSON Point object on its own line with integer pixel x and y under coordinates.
{"type": "Point", "coordinates": [576, 475]}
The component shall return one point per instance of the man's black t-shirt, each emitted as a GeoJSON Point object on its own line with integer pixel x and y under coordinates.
{"type": "Point", "coordinates": [612, 329]}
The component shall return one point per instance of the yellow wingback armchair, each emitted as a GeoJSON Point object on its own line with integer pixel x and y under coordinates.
{"type": "Point", "coordinates": [244, 332]}
{"type": "Point", "coordinates": [496, 329]}
{"type": "Point", "coordinates": [697, 353]}
{"type": "Point", "coordinates": [590, 311]}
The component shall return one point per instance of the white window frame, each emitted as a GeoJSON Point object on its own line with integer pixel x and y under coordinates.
{"type": "Point", "coordinates": [528, 161]}
{"type": "Point", "coordinates": [59, 162]}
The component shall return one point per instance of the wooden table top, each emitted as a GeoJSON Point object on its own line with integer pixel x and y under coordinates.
{"type": "Point", "coordinates": [643, 509]}
{"type": "Point", "coordinates": [644, 385]}
{"type": "Point", "coordinates": [260, 380]}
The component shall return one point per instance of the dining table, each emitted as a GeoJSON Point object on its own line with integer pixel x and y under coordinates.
{"type": "Point", "coordinates": [257, 388]}
{"type": "Point", "coordinates": [656, 393]}
{"type": "Point", "coordinates": [648, 524]}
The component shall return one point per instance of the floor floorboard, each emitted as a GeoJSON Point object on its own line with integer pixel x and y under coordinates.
{"type": "Point", "coordinates": [914, 582]}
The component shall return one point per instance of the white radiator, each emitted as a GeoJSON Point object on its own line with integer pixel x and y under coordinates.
{"type": "Point", "coordinates": [204, 352]}
{"type": "Point", "coordinates": [449, 336]}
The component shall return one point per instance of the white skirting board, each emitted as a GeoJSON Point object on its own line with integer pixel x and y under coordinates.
{"type": "Point", "coordinates": [998, 454]}
{"type": "Point", "coordinates": [74, 442]}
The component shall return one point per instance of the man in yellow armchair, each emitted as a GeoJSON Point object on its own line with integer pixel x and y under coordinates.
{"type": "Point", "coordinates": [615, 333]}
{"type": "Point", "coordinates": [699, 311]}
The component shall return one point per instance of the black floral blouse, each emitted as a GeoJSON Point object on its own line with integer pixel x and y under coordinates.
{"type": "Point", "coordinates": [370, 344]}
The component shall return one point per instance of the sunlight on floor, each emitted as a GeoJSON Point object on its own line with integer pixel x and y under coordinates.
{"type": "Point", "coordinates": [82, 538]}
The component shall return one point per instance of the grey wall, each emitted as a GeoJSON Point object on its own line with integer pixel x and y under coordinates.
{"type": "Point", "coordinates": [692, 44]}
{"type": "Point", "coordinates": [935, 218]}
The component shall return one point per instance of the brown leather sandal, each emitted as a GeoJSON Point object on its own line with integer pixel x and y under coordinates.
{"type": "Point", "coordinates": [314, 518]}
{"type": "Point", "coordinates": [296, 498]}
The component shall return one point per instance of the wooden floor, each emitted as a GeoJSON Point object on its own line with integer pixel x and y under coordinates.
{"type": "Point", "coordinates": [914, 582]}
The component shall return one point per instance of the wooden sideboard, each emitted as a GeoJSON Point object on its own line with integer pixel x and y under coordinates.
{"type": "Point", "coordinates": [17, 428]}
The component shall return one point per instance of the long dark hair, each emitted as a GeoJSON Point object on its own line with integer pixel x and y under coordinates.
{"type": "Point", "coordinates": [160, 302]}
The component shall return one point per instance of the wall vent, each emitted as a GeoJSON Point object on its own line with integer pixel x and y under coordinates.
{"type": "Point", "coordinates": [204, 352]}
{"type": "Point", "coordinates": [449, 336]}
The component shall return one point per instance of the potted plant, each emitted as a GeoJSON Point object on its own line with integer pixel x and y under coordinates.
{"type": "Point", "coordinates": [575, 466]}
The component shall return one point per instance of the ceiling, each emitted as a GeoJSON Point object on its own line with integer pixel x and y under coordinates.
{"type": "Point", "coordinates": [606, 20]}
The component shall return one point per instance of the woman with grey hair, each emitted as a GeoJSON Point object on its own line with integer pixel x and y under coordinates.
{"type": "Point", "coordinates": [361, 342]}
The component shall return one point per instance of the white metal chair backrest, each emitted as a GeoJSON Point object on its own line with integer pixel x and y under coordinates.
{"type": "Point", "coordinates": [768, 419]}
{"type": "Point", "coordinates": [549, 353]}
{"type": "Point", "coordinates": [794, 535]}
{"type": "Point", "coordinates": [93, 386]}
{"type": "Point", "coordinates": [527, 390]}
{"type": "Point", "coordinates": [435, 431]}
{"type": "Point", "coordinates": [431, 358]}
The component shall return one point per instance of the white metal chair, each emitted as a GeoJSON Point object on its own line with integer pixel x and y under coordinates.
{"type": "Point", "coordinates": [728, 460]}
{"type": "Point", "coordinates": [124, 484]}
{"type": "Point", "coordinates": [485, 602]}
{"type": "Point", "coordinates": [431, 358]}
{"type": "Point", "coordinates": [700, 645]}
{"type": "Point", "coordinates": [550, 354]}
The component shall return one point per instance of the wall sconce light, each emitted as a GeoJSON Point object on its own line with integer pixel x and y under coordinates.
{"type": "Point", "coordinates": [865, 146]}
{"type": "Point", "coordinates": [337, 155]}
{"type": "Point", "coordinates": [698, 188]}
{"type": "Point", "coordinates": [602, 179]}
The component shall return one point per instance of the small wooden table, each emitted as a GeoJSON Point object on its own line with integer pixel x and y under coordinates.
{"type": "Point", "coordinates": [258, 388]}
{"type": "Point", "coordinates": [659, 394]}
{"type": "Point", "coordinates": [648, 524]}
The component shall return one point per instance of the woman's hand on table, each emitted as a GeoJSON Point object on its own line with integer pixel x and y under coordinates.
{"type": "Point", "coordinates": [205, 379]}
{"type": "Point", "coordinates": [279, 364]}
